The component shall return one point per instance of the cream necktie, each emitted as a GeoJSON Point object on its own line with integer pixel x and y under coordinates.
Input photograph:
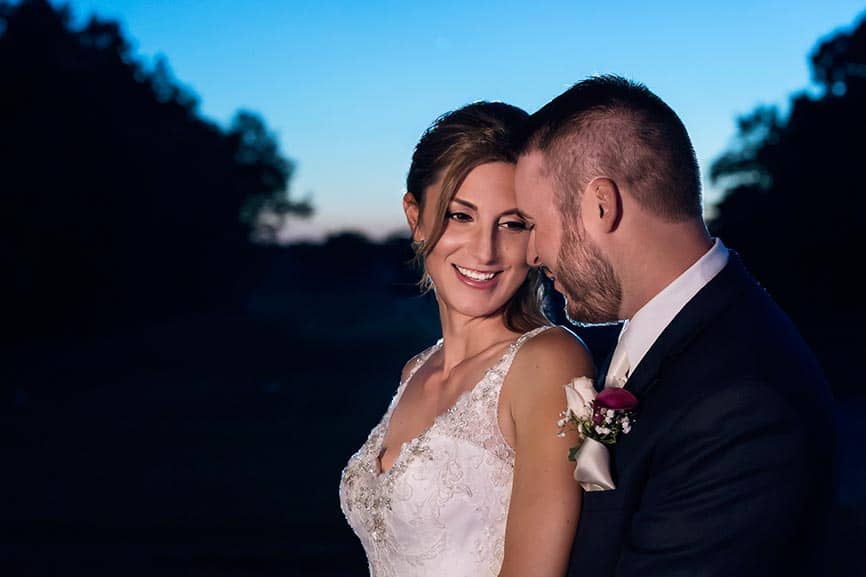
{"type": "Point", "coordinates": [617, 372]}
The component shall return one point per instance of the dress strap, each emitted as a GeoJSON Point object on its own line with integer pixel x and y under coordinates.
{"type": "Point", "coordinates": [420, 360]}
{"type": "Point", "coordinates": [528, 335]}
{"type": "Point", "coordinates": [508, 357]}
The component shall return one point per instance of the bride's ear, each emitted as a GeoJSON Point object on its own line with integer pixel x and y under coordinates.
{"type": "Point", "coordinates": [413, 214]}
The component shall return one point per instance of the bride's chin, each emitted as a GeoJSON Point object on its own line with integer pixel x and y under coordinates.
{"type": "Point", "coordinates": [478, 310]}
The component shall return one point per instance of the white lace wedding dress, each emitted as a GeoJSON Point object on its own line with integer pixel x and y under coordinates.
{"type": "Point", "coordinates": [440, 510]}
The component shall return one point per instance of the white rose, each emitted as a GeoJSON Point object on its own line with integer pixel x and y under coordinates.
{"type": "Point", "coordinates": [579, 393]}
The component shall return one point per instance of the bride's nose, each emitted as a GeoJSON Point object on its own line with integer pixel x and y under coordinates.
{"type": "Point", "coordinates": [482, 246]}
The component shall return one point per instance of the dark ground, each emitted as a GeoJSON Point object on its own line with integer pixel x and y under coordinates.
{"type": "Point", "coordinates": [212, 446]}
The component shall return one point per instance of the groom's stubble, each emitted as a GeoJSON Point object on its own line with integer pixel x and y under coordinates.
{"type": "Point", "coordinates": [592, 290]}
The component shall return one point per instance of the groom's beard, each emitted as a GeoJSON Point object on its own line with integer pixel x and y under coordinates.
{"type": "Point", "coordinates": [591, 288]}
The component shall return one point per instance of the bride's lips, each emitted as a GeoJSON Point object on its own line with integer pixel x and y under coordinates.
{"type": "Point", "coordinates": [479, 279]}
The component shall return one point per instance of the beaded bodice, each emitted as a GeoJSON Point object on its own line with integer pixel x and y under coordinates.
{"type": "Point", "coordinates": [442, 506]}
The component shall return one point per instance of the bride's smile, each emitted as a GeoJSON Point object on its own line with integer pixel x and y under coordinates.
{"type": "Point", "coordinates": [475, 275]}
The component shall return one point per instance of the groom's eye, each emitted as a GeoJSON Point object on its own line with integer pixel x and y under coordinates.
{"type": "Point", "coordinates": [515, 225]}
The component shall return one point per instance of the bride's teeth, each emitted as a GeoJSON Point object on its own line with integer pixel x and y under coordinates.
{"type": "Point", "coordinates": [474, 275]}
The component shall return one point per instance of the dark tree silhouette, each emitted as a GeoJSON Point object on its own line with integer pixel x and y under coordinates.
{"type": "Point", "coordinates": [264, 175]}
{"type": "Point", "coordinates": [794, 203]}
{"type": "Point", "coordinates": [121, 203]}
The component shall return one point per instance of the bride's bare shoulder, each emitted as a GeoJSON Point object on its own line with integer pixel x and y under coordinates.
{"type": "Point", "coordinates": [557, 350]}
{"type": "Point", "coordinates": [557, 341]}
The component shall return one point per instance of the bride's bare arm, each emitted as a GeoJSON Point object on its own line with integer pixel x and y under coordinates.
{"type": "Point", "coordinates": [545, 499]}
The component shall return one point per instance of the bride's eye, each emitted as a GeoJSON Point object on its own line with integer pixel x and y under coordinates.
{"type": "Point", "coordinates": [458, 216]}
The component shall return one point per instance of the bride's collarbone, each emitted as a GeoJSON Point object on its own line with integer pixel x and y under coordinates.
{"type": "Point", "coordinates": [430, 393]}
{"type": "Point", "coordinates": [440, 389]}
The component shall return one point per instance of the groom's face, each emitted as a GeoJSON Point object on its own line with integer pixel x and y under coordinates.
{"type": "Point", "coordinates": [536, 202]}
{"type": "Point", "coordinates": [580, 272]}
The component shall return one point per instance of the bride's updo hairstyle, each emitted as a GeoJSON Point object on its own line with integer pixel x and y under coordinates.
{"type": "Point", "coordinates": [456, 143]}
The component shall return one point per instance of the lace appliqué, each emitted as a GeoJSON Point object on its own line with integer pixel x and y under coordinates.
{"type": "Point", "coordinates": [441, 508]}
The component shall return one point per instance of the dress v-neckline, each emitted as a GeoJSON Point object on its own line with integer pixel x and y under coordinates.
{"type": "Point", "coordinates": [386, 424]}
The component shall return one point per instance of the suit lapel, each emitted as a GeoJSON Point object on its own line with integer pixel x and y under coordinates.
{"type": "Point", "coordinates": [709, 302]}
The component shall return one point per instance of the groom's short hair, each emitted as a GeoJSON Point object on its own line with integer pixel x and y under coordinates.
{"type": "Point", "coordinates": [613, 127]}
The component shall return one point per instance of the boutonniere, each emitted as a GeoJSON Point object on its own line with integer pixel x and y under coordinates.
{"type": "Point", "coordinates": [599, 420]}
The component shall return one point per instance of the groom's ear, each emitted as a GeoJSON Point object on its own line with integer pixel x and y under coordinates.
{"type": "Point", "coordinates": [413, 214]}
{"type": "Point", "coordinates": [603, 201]}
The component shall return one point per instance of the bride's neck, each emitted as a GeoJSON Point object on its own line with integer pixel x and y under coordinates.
{"type": "Point", "coordinates": [467, 337]}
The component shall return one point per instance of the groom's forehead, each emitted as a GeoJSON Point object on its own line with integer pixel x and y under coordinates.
{"type": "Point", "coordinates": [531, 159]}
{"type": "Point", "coordinates": [531, 173]}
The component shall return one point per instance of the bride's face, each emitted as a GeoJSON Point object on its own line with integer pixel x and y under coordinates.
{"type": "Point", "coordinates": [480, 260]}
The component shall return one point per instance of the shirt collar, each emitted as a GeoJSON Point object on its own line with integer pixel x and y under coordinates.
{"type": "Point", "coordinates": [641, 331]}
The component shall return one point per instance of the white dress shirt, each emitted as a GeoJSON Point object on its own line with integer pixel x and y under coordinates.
{"type": "Point", "coordinates": [641, 331]}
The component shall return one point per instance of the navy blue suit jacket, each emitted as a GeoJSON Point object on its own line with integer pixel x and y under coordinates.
{"type": "Point", "coordinates": [727, 470]}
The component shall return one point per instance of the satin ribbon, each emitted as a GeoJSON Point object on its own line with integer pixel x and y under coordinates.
{"type": "Point", "coordinates": [592, 466]}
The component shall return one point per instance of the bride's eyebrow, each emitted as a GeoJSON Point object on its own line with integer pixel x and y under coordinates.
{"type": "Point", "coordinates": [509, 212]}
{"type": "Point", "coordinates": [465, 203]}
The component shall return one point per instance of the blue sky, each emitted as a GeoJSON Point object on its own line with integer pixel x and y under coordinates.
{"type": "Point", "coordinates": [348, 87]}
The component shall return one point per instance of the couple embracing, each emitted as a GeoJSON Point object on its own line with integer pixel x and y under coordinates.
{"type": "Point", "coordinates": [724, 468]}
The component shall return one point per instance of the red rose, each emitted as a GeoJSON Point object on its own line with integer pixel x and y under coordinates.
{"type": "Point", "coordinates": [615, 398]}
